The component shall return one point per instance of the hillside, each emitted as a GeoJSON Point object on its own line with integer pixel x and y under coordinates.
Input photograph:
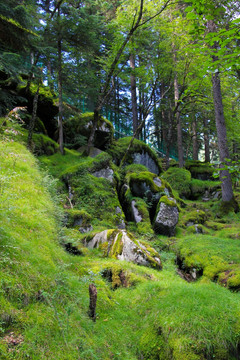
{"type": "Point", "coordinates": [188, 310]}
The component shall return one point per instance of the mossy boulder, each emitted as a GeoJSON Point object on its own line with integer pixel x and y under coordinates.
{"type": "Point", "coordinates": [95, 194]}
{"type": "Point", "coordinates": [180, 180]}
{"type": "Point", "coordinates": [144, 185]}
{"type": "Point", "coordinates": [47, 107]}
{"type": "Point", "coordinates": [121, 245]}
{"type": "Point", "coordinates": [139, 153]}
{"type": "Point", "coordinates": [78, 129]}
{"type": "Point", "coordinates": [206, 189]}
{"type": "Point", "coordinates": [43, 145]}
{"type": "Point", "coordinates": [167, 215]}
{"type": "Point", "coordinates": [200, 170]}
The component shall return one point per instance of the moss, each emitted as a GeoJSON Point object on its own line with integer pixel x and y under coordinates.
{"type": "Point", "coordinates": [117, 246]}
{"type": "Point", "coordinates": [144, 226]}
{"type": "Point", "coordinates": [198, 167]}
{"type": "Point", "coordinates": [152, 344]}
{"type": "Point", "coordinates": [43, 145]}
{"type": "Point", "coordinates": [135, 168]}
{"type": "Point", "coordinates": [74, 215]}
{"type": "Point", "coordinates": [195, 216]}
{"type": "Point", "coordinates": [165, 199]}
{"type": "Point", "coordinates": [228, 206]}
{"type": "Point", "coordinates": [179, 179]}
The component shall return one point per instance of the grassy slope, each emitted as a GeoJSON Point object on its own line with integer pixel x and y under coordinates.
{"type": "Point", "coordinates": [44, 290]}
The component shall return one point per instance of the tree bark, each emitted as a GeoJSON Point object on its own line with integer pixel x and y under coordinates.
{"type": "Point", "coordinates": [206, 141]}
{"type": "Point", "coordinates": [226, 183]}
{"type": "Point", "coordinates": [92, 302]}
{"type": "Point", "coordinates": [33, 118]}
{"type": "Point", "coordinates": [194, 139]}
{"type": "Point", "coordinates": [179, 123]}
{"type": "Point", "coordinates": [227, 191]}
{"type": "Point", "coordinates": [133, 93]}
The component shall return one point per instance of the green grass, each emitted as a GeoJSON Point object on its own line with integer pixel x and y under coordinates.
{"type": "Point", "coordinates": [44, 290]}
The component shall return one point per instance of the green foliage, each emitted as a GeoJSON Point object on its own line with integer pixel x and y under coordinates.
{"type": "Point", "coordinates": [233, 167]}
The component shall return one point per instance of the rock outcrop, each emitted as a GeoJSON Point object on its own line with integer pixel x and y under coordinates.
{"type": "Point", "coordinates": [119, 244]}
{"type": "Point", "coordinates": [166, 216]}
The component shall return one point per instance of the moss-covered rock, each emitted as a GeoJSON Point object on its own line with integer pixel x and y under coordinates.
{"type": "Point", "coordinates": [167, 215]}
{"type": "Point", "coordinates": [78, 128]}
{"type": "Point", "coordinates": [205, 189]}
{"type": "Point", "coordinates": [200, 170]}
{"type": "Point", "coordinates": [139, 153]}
{"type": "Point", "coordinates": [180, 180]}
{"type": "Point", "coordinates": [47, 106]}
{"type": "Point", "coordinates": [43, 145]}
{"type": "Point", "coordinates": [121, 245]}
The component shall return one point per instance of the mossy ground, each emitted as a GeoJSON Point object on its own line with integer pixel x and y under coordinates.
{"type": "Point", "coordinates": [44, 290]}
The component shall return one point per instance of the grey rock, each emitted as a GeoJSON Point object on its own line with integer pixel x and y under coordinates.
{"type": "Point", "coordinates": [135, 213]}
{"type": "Point", "coordinates": [131, 250]}
{"type": "Point", "coordinates": [85, 229]}
{"type": "Point", "coordinates": [104, 173]}
{"type": "Point", "coordinates": [93, 151]}
{"type": "Point", "coordinates": [198, 229]}
{"type": "Point", "coordinates": [121, 225]}
{"type": "Point", "coordinates": [166, 192]}
{"type": "Point", "coordinates": [146, 160]}
{"type": "Point", "coordinates": [157, 181]}
{"type": "Point", "coordinates": [118, 210]}
{"type": "Point", "coordinates": [166, 219]}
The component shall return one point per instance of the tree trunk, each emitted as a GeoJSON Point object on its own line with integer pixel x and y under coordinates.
{"type": "Point", "coordinates": [169, 138]}
{"type": "Point", "coordinates": [194, 139]}
{"type": "Point", "coordinates": [227, 191]}
{"type": "Point", "coordinates": [33, 118]}
{"type": "Point", "coordinates": [206, 141]}
{"type": "Point", "coordinates": [60, 105]}
{"type": "Point", "coordinates": [179, 123]}
{"type": "Point", "coordinates": [133, 94]}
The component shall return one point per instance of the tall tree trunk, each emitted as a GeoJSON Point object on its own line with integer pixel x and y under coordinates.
{"type": "Point", "coordinates": [206, 140]}
{"type": "Point", "coordinates": [133, 93]}
{"type": "Point", "coordinates": [169, 138]}
{"type": "Point", "coordinates": [60, 105]}
{"type": "Point", "coordinates": [227, 191]}
{"type": "Point", "coordinates": [33, 118]}
{"type": "Point", "coordinates": [226, 183]}
{"type": "Point", "coordinates": [179, 123]}
{"type": "Point", "coordinates": [194, 139]}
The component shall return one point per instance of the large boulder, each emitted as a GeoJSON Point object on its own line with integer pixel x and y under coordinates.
{"type": "Point", "coordinates": [119, 244]}
{"type": "Point", "coordinates": [144, 185]}
{"type": "Point", "coordinates": [200, 170]}
{"type": "Point", "coordinates": [166, 216]}
{"type": "Point", "coordinates": [139, 153]}
{"type": "Point", "coordinates": [78, 129]}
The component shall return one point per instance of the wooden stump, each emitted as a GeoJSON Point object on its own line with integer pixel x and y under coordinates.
{"type": "Point", "coordinates": [93, 302]}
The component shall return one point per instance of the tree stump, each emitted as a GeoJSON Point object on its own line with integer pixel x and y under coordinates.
{"type": "Point", "coordinates": [93, 302]}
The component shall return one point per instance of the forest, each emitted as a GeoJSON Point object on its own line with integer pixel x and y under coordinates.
{"type": "Point", "coordinates": [119, 179]}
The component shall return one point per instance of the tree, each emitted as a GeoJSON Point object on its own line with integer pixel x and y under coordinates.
{"type": "Point", "coordinates": [213, 16]}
